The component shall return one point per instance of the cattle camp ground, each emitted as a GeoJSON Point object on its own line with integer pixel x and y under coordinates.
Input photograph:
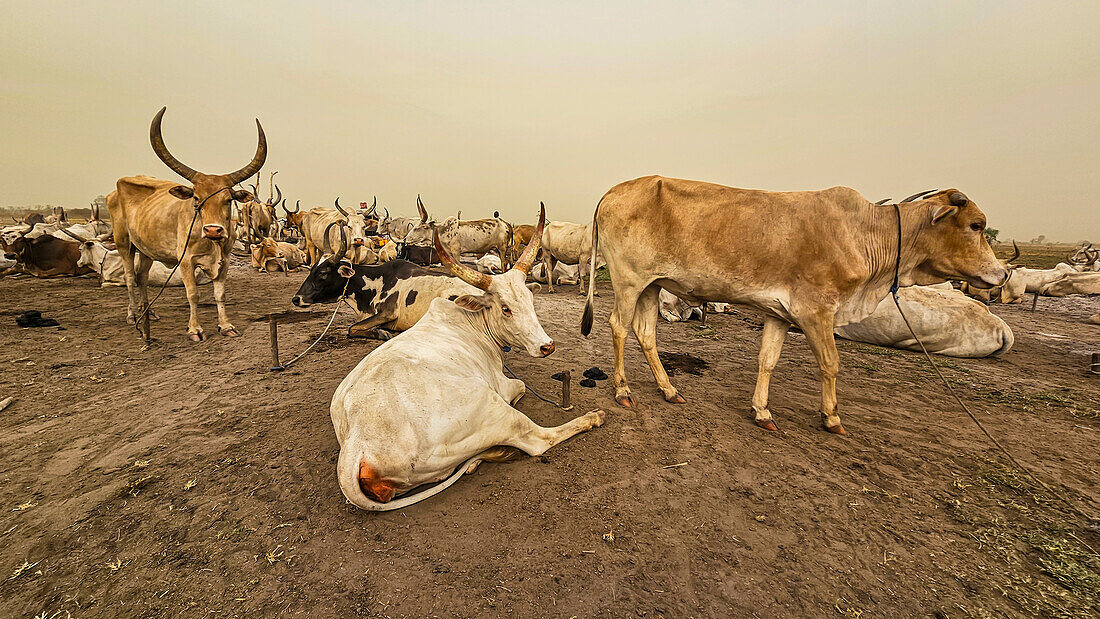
{"type": "Point", "coordinates": [155, 482]}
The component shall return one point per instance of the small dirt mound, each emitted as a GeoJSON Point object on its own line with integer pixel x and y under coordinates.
{"type": "Point", "coordinates": [679, 362]}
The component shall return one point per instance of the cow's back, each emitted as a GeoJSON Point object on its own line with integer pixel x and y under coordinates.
{"type": "Point", "coordinates": [567, 242]}
{"type": "Point", "coordinates": [727, 244]}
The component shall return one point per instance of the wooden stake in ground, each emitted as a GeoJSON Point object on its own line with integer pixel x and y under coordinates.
{"type": "Point", "coordinates": [565, 404]}
{"type": "Point", "coordinates": [273, 327]}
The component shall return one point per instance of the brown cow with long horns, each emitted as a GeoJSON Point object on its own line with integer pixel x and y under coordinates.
{"type": "Point", "coordinates": [175, 223]}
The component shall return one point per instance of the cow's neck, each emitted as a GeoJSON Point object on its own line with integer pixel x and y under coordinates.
{"type": "Point", "coordinates": [880, 254]}
{"type": "Point", "coordinates": [476, 326]}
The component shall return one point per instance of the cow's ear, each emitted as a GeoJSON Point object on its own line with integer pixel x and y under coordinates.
{"type": "Point", "coordinates": [942, 211]}
{"type": "Point", "coordinates": [240, 195]}
{"type": "Point", "coordinates": [472, 303]}
{"type": "Point", "coordinates": [345, 270]}
{"type": "Point", "coordinates": [181, 192]}
{"type": "Point", "coordinates": [534, 287]}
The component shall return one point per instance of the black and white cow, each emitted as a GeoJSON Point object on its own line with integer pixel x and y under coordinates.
{"type": "Point", "coordinates": [388, 297]}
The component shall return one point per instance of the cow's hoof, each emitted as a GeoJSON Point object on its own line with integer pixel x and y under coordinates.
{"type": "Point", "coordinates": [767, 424]}
{"type": "Point", "coordinates": [626, 401]}
{"type": "Point", "coordinates": [597, 416]}
{"type": "Point", "coordinates": [676, 399]}
{"type": "Point", "coordinates": [196, 337]}
{"type": "Point", "coordinates": [230, 332]}
{"type": "Point", "coordinates": [837, 429]}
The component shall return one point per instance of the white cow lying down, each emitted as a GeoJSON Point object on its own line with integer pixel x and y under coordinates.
{"type": "Point", "coordinates": [432, 403]}
{"type": "Point", "coordinates": [108, 264]}
{"type": "Point", "coordinates": [674, 309]}
{"type": "Point", "coordinates": [946, 320]}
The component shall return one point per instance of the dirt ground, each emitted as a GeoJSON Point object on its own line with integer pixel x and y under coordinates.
{"type": "Point", "coordinates": [188, 480]}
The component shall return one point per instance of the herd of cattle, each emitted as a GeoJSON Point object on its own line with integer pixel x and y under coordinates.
{"type": "Point", "coordinates": [823, 261]}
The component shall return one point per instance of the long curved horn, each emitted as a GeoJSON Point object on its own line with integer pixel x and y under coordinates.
{"type": "Point", "coordinates": [74, 235]}
{"type": "Point", "coordinates": [459, 270]}
{"type": "Point", "coordinates": [423, 211]}
{"type": "Point", "coordinates": [340, 208]}
{"type": "Point", "coordinates": [343, 241]}
{"type": "Point", "coordinates": [297, 206]}
{"type": "Point", "coordinates": [372, 207]}
{"type": "Point", "coordinates": [255, 192]}
{"type": "Point", "coordinates": [276, 201]}
{"type": "Point", "coordinates": [917, 196]}
{"type": "Point", "coordinates": [882, 201]}
{"type": "Point", "coordinates": [1015, 252]}
{"type": "Point", "coordinates": [527, 258]}
{"type": "Point", "coordinates": [257, 160]}
{"type": "Point", "coordinates": [270, 182]}
{"type": "Point", "coordinates": [387, 218]}
{"type": "Point", "coordinates": [157, 140]}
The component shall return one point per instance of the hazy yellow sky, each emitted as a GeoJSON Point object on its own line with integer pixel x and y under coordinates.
{"type": "Point", "coordinates": [483, 106]}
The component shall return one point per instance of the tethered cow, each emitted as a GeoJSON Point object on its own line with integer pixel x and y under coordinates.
{"type": "Point", "coordinates": [260, 216]}
{"type": "Point", "coordinates": [177, 224]}
{"type": "Point", "coordinates": [815, 259]}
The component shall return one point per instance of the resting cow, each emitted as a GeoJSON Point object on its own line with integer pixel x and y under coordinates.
{"type": "Point", "coordinates": [108, 264]}
{"type": "Point", "coordinates": [46, 257]}
{"type": "Point", "coordinates": [816, 259]}
{"type": "Point", "coordinates": [271, 256]}
{"type": "Point", "coordinates": [946, 320]}
{"type": "Point", "coordinates": [433, 403]}
{"type": "Point", "coordinates": [387, 298]}
{"type": "Point", "coordinates": [1072, 283]}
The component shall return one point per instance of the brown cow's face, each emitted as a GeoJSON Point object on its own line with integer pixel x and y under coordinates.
{"type": "Point", "coordinates": [955, 241]}
{"type": "Point", "coordinates": [215, 198]}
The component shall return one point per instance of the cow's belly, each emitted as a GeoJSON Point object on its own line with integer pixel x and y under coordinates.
{"type": "Point", "coordinates": [695, 290]}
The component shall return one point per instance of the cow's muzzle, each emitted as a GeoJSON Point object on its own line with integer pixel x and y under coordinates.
{"type": "Point", "coordinates": [298, 301]}
{"type": "Point", "coordinates": [546, 349]}
{"type": "Point", "coordinates": [213, 232]}
{"type": "Point", "coordinates": [358, 242]}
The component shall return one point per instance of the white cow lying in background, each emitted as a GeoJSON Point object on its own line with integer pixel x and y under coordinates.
{"type": "Point", "coordinates": [108, 264]}
{"type": "Point", "coordinates": [1072, 283]}
{"type": "Point", "coordinates": [433, 403]}
{"type": "Point", "coordinates": [946, 320]}
{"type": "Point", "coordinates": [489, 264]}
{"type": "Point", "coordinates": [563, 273]}
{"type": "Point", "coordinates": [674, 309]}
{"type": "Point", "coordinates": [6, 262]}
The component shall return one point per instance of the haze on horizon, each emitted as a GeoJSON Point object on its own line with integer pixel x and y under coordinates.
{"type": "Point", "coordinates": [498, 105]}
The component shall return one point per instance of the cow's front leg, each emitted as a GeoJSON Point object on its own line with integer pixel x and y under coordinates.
{"type": "Point", "coordinates": [187, 274]}
{"type": "Point", "coordinates": [771, 344]}
{"type": "Point", "coordinates": [819, 334]}
{"type": "Point", "coordinates": [225, 327]}
{"type": "Point", "coordinates": [513, 390]}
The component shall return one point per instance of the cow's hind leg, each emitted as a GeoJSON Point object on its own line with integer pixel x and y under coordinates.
{"type": "Point", "coordinates": [126, 252]}
{"type": "Point", "coordinates": [535, 439]}
{"type": "Point", "coordinates": [370, 327]}
{"type": "Point", "coordinates": [645, 329]}
{"type": "Point", "coordinates": [625, 301]}
{"type": "Point", "coordinates": [142, 264]}
{"type": "Point", "coordinates": [819, 334]}
{"type": "Point", "coordinates": [771, 344]}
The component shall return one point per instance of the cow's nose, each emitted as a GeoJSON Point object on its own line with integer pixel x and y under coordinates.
{"type": "Point", "coordinates": [297, 300]}
{"type": "Point", "coordinates": [546, 349]}
{"type": "Point", "coordinates": [357, 242]}
{"type": "Point", "coordinates": [213, 231]}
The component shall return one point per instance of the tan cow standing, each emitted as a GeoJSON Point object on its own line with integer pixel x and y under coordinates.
{"type": "Point", "coordinates": [569, 243]}
{"type": "Point", "coordinates": [174, 223]}
{"type": "Point", "coordinates": [321, 229]}
{"type": "Point", "coordinates": [816, 259]}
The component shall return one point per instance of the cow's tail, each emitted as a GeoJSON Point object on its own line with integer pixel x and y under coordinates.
{"type": "Point", "coordinates": [348, 474]}
{"type": "Point", "coordinates": [586, 319]}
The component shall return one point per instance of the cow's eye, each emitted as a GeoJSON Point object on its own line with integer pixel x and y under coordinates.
{"type": "Point", "coordinates": [977, 226]}
{"type": "Point", "coordinates": [506, 311]}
